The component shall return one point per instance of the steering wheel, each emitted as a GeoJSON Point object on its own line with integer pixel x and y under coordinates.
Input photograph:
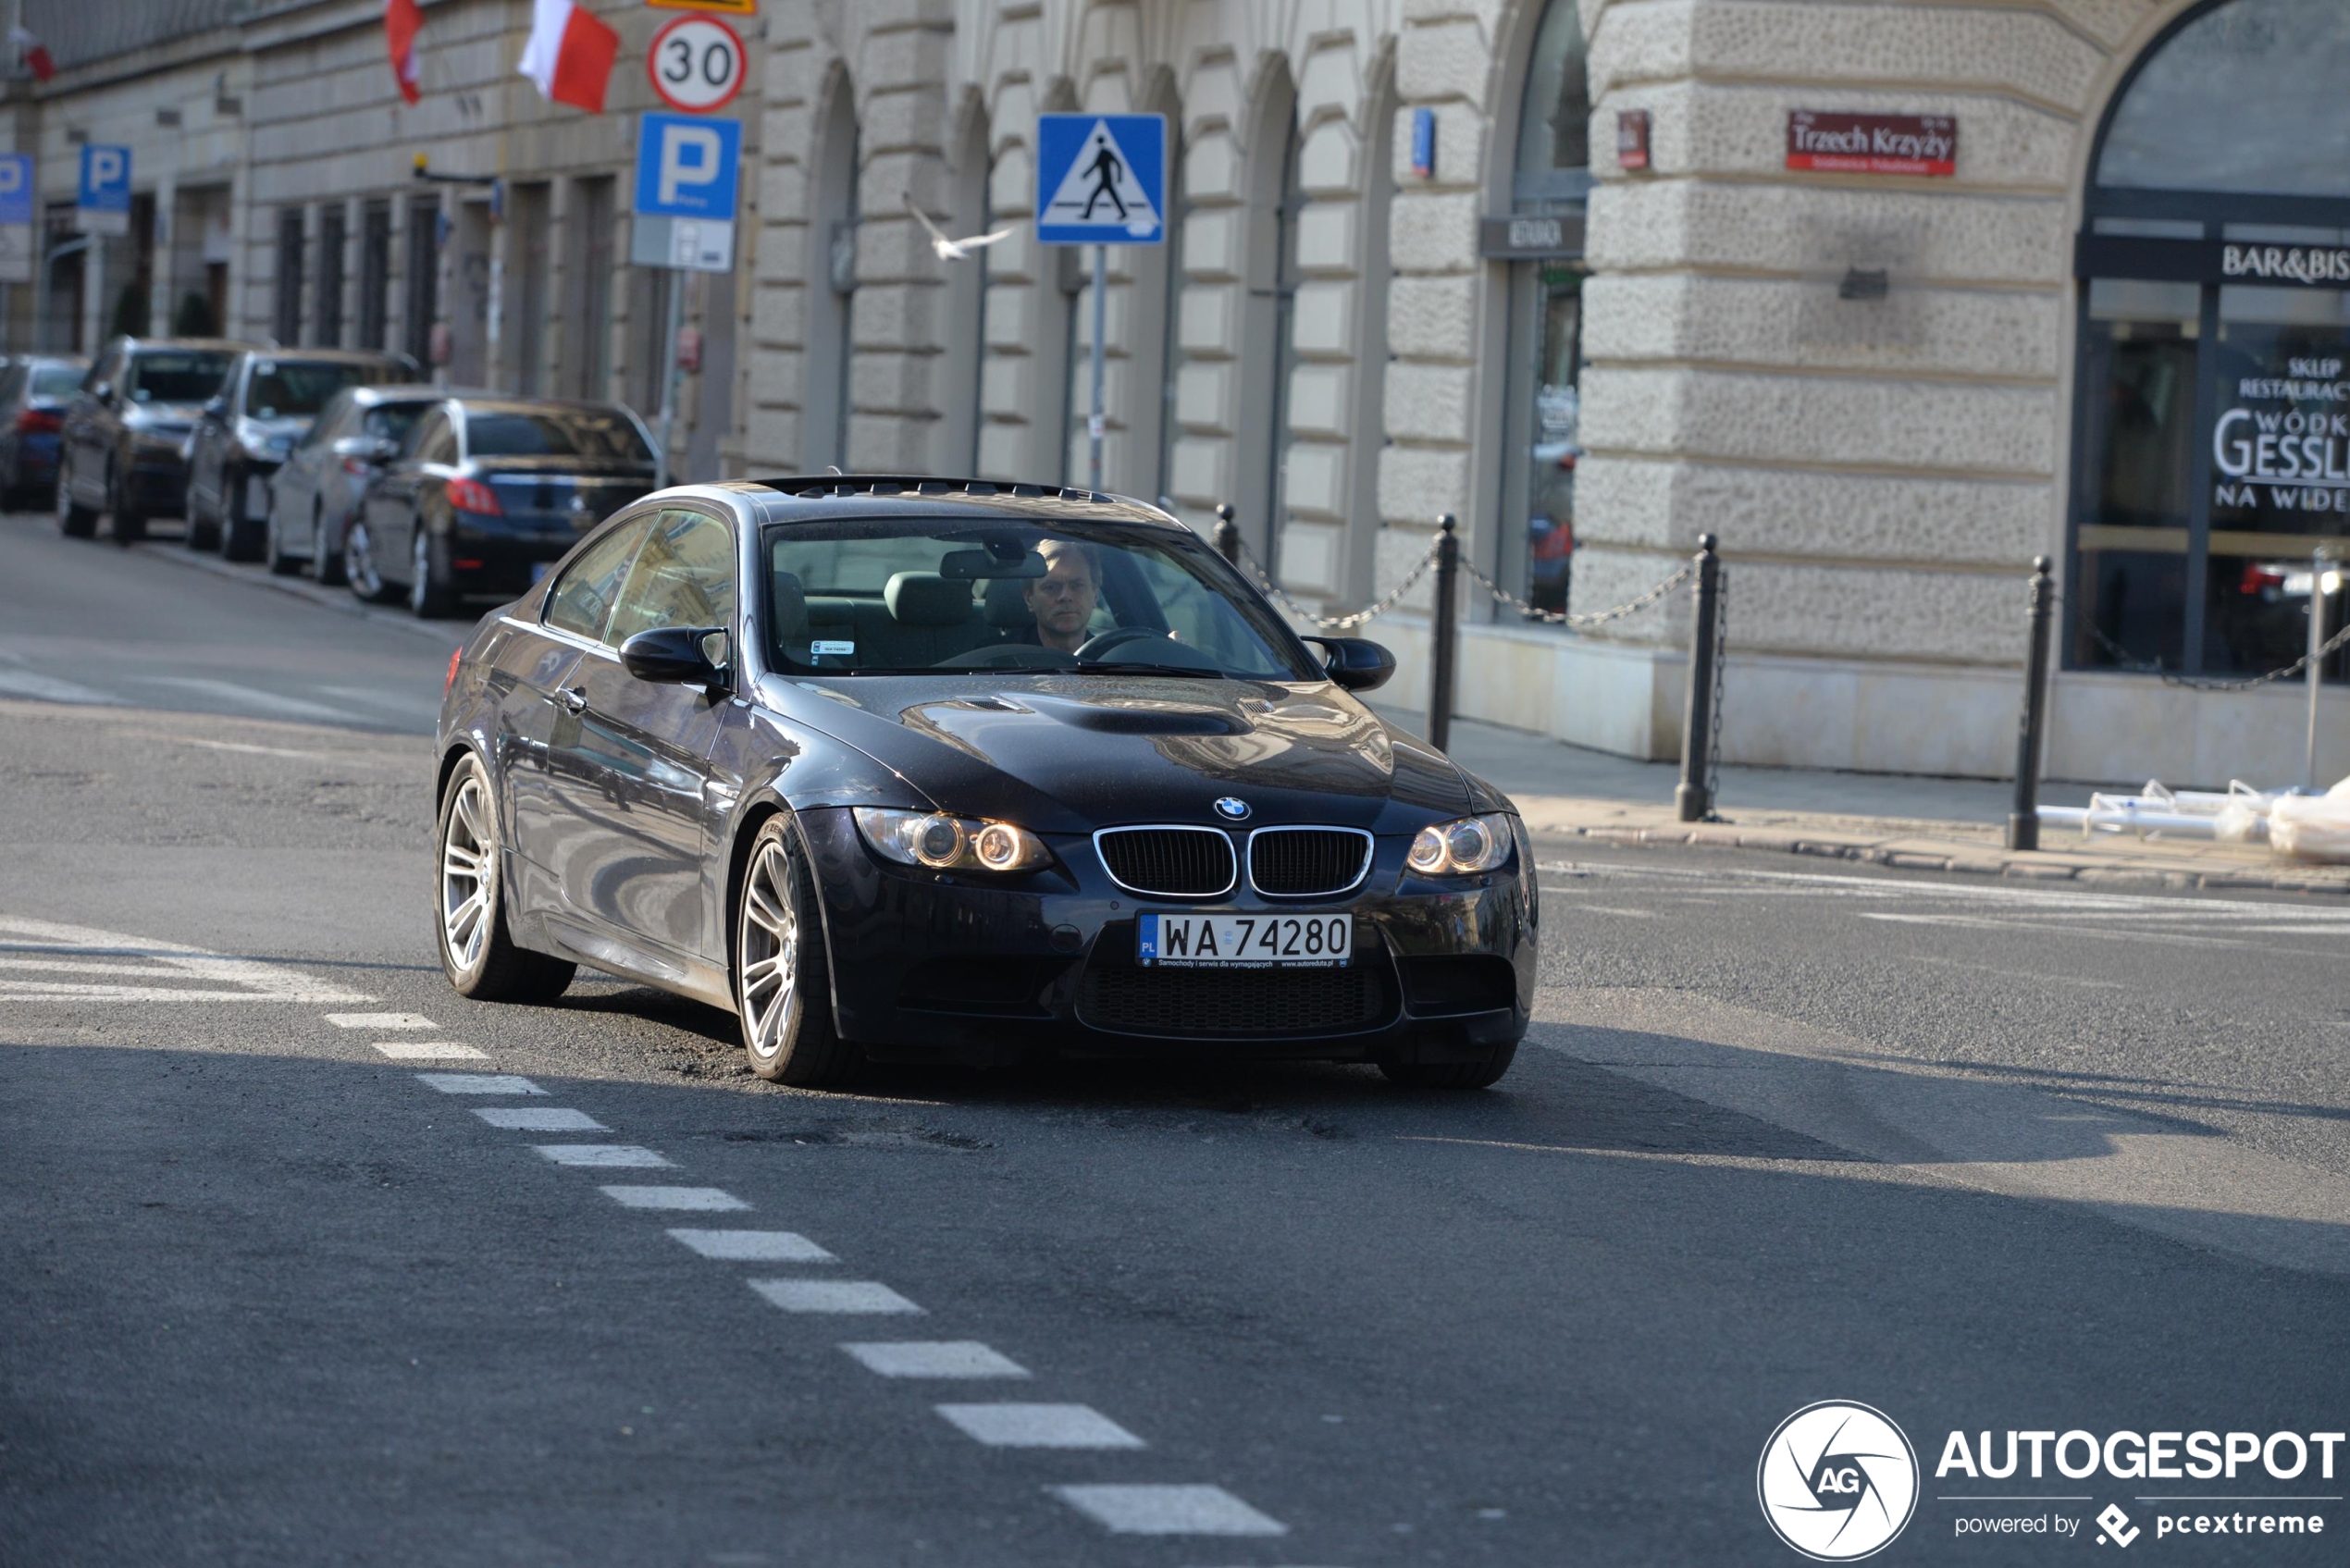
{"type": "Point", "coordinates": [1090, 651]}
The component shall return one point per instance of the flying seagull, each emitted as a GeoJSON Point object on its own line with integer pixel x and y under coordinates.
{"type": "Point", "coordinates": [951, 250]}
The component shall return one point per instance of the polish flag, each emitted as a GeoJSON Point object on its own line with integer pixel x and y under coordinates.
{"type": "Point", "coordinates": [34, 53]}
{"type": "Point", "coordinates": [403, 20]}
{"type": "Point", "coordinates": [570, 54]}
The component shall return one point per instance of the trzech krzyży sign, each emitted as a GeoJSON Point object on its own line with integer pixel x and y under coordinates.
{"type": "Point", "coordinates": [1830, 142]}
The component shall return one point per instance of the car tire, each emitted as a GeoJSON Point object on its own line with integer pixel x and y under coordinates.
{"type": "Point", "coordinates": [204, 531]}
{"type": "Point", "coordinates": [359, 571]}
{"type": "Point", "coordinates": [1477, 1072]}
{"type": "Point", "coordinates": [430, 595]}
{"type": "Point", "coordinates": [74, 519]}
{"type": "Point", "coordinates": [273, 552]}
{"type": "Point", "coordinates": [129, 523]}
{"type": "Point", "coordinates": [326, 563]}
{"type": "Point", "coordinates": [782, 980]}
{"type": "Point", "coordinates": [478, 953]}
{"type": "Point", "coordinates": [240, 535]}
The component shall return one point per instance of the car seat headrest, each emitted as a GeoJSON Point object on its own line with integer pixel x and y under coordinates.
{"type": "Point", "coordinates": [925, 598]}
{"type": "Point", "coordinates": [1007, 605]}
{"type": "Point", "coordinates": [790, 610]}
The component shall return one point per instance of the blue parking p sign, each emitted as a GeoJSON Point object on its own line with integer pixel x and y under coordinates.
{"type": "Point", "coordinates": [688, 179]}
{"type": "Point", "coordinates": [1101, 179]}
{"type": "Point", "coordinates": [104, 196]}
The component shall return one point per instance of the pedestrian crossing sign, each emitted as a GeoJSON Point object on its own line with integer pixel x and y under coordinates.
{"type": "Point", "coordinates": [1101, 179]}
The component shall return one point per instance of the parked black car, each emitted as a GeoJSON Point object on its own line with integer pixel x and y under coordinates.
{"type": "Point", "coordinates": [907, 769]}
{"type": "Point", "coordinates": [488, 493]}
{"type": "Point", "coordinates": [263, 407]}
{"type": "Point", "coordinates": [317, 493]}
{"type": "Point", "coordinates": [34, 391]}
{"type": "Point", "coordinates": [120, 450]}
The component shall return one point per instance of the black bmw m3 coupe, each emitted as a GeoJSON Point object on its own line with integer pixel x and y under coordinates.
{"type": "Point", "coordinates": [915, 769]}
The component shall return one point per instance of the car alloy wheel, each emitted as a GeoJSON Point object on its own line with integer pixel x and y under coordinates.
{"type": "Point", "coordinates": [430, 592]}
{"type": "Point", "coordinates": [477, 952]}
{"type": "Point", "coordinates": [780, 989]}
{"type": "Point", "coordinates": [359, 564]}
{"type": "Point", "coordinates": [468, 875]}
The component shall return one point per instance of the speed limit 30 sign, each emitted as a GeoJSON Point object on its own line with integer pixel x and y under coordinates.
{"type": "Point", "coordinates": [696, 64]}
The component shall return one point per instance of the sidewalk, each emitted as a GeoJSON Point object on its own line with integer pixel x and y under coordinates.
{"type": "Point", "coordinates": [1920, 823]}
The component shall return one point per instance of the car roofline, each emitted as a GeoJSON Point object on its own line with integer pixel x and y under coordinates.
{"type": "Point", "coordinates": [980, 496]}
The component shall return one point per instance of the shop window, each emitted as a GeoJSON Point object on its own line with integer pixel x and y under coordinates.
{"type": "Point", "coordinates": [288, 314]}
{"type": "Point", "coordinates": [2213, 430]}
{"type": "Point", "coordinates": [374, 274]}
{"type": "Point", "coordinates": [329, 332]}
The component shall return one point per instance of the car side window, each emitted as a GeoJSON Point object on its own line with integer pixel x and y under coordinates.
{"type": "Point", "coordinates": [581, 600]}
{"type": "Point", "coordinates": [436, 439]}
{"type": "Point", "coordinates": [683, 576]}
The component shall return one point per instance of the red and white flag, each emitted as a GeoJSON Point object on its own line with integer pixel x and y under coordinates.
{"type": "Point", "coordinates": [34, 53]}
{"type": "Point", "coordinates": [570, 54]}
{"type": "Point", "coordinates": [403, 21]}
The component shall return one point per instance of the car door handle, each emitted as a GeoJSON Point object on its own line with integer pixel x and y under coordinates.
{"type": "Point", "coordinates": [572, 702]}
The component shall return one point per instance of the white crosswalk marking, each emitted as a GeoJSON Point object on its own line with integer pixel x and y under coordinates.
{"type": "Point", "coordinates": [524, 1118]}
{"type": "Point", "coordinates": [754, 1246]}
{"type": "Point", "coordinates": [30, 947]}
{"type": "Point", "coordinates": [701, 1199]}
{"type": "Point", "coordinates": [936, 1358]}
{"type": "Point", "coordinates": [833, 1295]}
{"type": "Point", "coordinates": [1039, 1426]}
{"type": "Point", "coordinates": [1168, 1510]}
{"type": "Point", "coordinates": [603, 1155]}
{"type": "Point", "coordinates": [479, 1083]}
{"type": "Point", "coordinates": [253, 700]}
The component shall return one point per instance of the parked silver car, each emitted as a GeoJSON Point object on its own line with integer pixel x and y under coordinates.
{"type": "Point", "coordinates": [316, 494]}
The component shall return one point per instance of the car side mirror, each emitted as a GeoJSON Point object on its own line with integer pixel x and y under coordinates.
{"type": "Point", "coordinates": [217, 408]}
{"type": "Point", "coordinates": [1355, 663]}
{"type": "Point", "coordinates": [103, 392]}
{"type": "Point", "coordinates": [677, 656]}
{"type": "Point", "coordinates": [368, 449]}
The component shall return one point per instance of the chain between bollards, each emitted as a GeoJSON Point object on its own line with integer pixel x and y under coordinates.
{"type": "Point", "coordinates": [1446, 633]}
{"type": "Point", "coordinates": [1693, 796]}
{"type": "Point", "coordinates": [2023, 819]}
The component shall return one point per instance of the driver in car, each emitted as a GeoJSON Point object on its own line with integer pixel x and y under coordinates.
{"type": "Point", "coordinates": [1063, 599]}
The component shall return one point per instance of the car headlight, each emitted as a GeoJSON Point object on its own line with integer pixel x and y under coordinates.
{"type": "Point", "coordinates": [1462, 847]}
{"type": "Point", "coordinates": [260, 442]}
{"type": "Point", "coordinates": [950, 844]}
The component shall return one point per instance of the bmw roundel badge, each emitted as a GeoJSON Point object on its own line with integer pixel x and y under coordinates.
{"type": "Point", "coordinates": [1232, 809]}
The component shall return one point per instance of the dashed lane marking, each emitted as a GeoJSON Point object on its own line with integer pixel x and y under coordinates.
{"type": "Point", "coordinates": [253, 700]}
{"type": "Point", "coordinates": [49, 688]}
{"type": "Point", "coordinates": [603, 1155]}
{"type": "Point", "coordinates": [429, 1051]}
{"type": "Point", "coordinates": [380, 1020]}
{"type": "Point", "coordinates": [479, 1083]}
{"type": "Point", "coordinates": [33, 945]}
{"type": "Point", "coordinates": [527, 1119]}
{"type": "Point", "coordinates": [1168, 1510]}
{"type": "Point", "coordinates": [704, 1199]}
{"type": "Point", "coordinates": [936, 1358]}
{"type": "Point", "coordinates": [1039, 1426]}
{"type": "Point", "coordinates": [754, 1246]}
{"type": "Point", "coordinates": [833, 1295]}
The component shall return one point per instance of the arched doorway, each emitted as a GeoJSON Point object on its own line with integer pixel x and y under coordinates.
{"type": "Point", "coordinates": [2213, 416]}
{"type": "Point", "coordinates": [1543, 242]}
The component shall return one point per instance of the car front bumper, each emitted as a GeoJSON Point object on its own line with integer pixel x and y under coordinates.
{"type": "Point", "coordinates": [927, 966]}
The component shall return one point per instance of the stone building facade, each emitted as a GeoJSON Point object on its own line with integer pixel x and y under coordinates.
{"type": "Point", "coordinates": [1543, 265]}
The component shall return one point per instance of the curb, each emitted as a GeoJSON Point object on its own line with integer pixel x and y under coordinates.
{"type": "Point", "coordinates": [336, 601]}
{"type": "Point", "coordinates": [1999, 863]}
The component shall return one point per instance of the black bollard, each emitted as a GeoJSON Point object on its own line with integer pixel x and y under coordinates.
{"type": "Point", "coordinates": [1445, 633]}
{"type": "Point", "coordinates": [1693, 798]}
{"type": "Point", "coordinates": [1227, 534]}
{"type": "Point", "coordinates": [2024, 822]}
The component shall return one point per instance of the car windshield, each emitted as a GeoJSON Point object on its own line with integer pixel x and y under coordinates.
{"type": "Point", "coordinates": [282, 389]}
{"type": "Point", "coordinates": [55, 383]}
{"type": "Point", "coordinates": [555, 433]}
{"type": "Point", "coordinates": [174, 376]}
{"type": "Point", "coordinates": [893, 597]}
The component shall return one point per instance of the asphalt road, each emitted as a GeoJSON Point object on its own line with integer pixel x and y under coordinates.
{"type": "Point", "coordinates": [1983, 1156]}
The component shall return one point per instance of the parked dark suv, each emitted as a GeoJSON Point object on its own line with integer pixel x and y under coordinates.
{"type": "Point", "coordinates": [120, 452]}
{"type": "Point", "coordinates": [246, 432]}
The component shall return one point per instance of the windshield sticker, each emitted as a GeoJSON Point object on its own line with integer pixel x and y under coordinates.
{"type": "Point", "coordinates": [821, 648]}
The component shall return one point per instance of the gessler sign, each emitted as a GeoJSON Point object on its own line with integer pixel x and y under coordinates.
{"type": "Point", "coordinates": [1832, 142]}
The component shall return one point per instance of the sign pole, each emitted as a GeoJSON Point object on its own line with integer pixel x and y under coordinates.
{"type": "Point", "coordinates": [1101, 313]}
{"type": "Point", "coordinates": [670, 377]}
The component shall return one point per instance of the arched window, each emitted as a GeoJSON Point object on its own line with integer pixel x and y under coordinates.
{"type": "Point", "coordinates": [1552, 178]}
{"type": "Point", "coordinates": [832, 287]}
{"type": "Point", "coordinates": [2214, 347]}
